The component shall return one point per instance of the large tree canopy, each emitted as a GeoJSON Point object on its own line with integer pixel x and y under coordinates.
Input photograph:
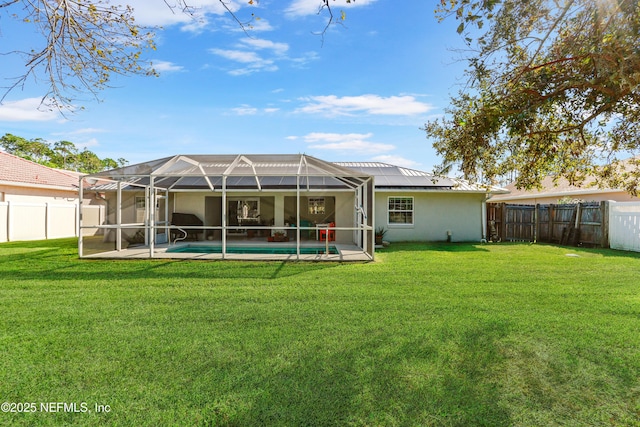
{"type": "Point", "coordinates": [83, 43]}
{"type": "Point", "coordinates": [553, 89]}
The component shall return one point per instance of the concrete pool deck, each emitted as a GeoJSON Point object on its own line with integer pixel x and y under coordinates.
{"type": "Point", "coordinates": [346, 252]}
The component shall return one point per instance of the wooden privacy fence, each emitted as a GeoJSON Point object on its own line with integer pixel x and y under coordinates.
{"type": "Point", "coordinates": [566, 224]}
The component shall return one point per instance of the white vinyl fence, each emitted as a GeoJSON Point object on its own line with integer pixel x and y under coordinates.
{"type": "Point", "coordinates": [624, 226]}
{"type": "Point", "coordinates": [39, 221]}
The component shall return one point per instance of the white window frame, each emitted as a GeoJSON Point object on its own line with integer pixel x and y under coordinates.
{"type": "Point", "coordinates": [390, 211]}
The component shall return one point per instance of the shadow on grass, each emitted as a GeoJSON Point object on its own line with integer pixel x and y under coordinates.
{"type": "Point", "coordinates": [58, 260]}
{"type": "Point", "coordinates": [433, 246]}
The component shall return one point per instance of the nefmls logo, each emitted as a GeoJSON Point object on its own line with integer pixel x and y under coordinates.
{"type": "Point", "coordinates": [64, 407]}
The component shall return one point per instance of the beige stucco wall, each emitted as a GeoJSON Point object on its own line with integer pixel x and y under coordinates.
{"type": "Point", "coordinates": [37, 195]}
{"type": "Point", "coordinates": [434, 215]}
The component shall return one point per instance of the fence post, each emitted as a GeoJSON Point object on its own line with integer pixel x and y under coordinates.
{"type": "Point", "coordinates": [46, 220]}
{"type": "Point", "coordinates": [503, 222]}
{"type": "Point", "coordinates": [9, 222]}
{"type": "Point", "coordinates": [536, 221]}
{"type": "Point", "coordinates": [604, 214]}
{"type": "Point", "coordinates": [551, 227]}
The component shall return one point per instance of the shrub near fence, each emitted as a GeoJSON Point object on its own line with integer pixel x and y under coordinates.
{"type": "Point", "coordinates": [566, 224]}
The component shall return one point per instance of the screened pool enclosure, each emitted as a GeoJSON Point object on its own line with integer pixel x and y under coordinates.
{"type": "Point", "coordinates": [238, 206]}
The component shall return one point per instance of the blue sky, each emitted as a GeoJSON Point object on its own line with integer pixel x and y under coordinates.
{"type": "Point", "coordinates": [361, 93]}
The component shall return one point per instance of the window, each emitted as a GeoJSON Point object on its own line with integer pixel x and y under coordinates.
{"type": "Point", "coordinates": [140, 202]}
{"type": "Point", "coordinates": [316, 206]}
{"type": "Point", "coordinates": [400, 210]}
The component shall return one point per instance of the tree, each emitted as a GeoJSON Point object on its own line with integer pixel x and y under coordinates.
{"type": "Point", "coordinates": [553, 89]}
{"type": "Point", "coordinates": [62, 154]}
{"type": "Point", "coordinates": [35, 150]}
{"type": "Point", "coordinates": [85, 42]}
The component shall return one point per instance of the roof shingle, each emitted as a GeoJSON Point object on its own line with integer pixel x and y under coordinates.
{"type": "Point", "coordinates": [22, 171]}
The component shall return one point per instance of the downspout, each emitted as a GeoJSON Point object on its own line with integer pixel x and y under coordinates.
{"type": "Point", "coordinates": [119, 217]}
{"type": "Point", "coordinates": [224, 215]}
{"type": "Point", "coordinates": [152, 216]}
{"type": "Point", "coordinates": [487, 196]}
{"type": "Point", "coordinates": [79, 216]}
{"type": "Point", "coordinates": [298, 215]}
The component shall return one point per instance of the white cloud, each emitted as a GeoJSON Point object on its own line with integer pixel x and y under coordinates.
{"type": "Point", "coordinates": [277, 48]}
{"type": "Point", "coordinates": [257, 25]}
{"type": "Point", "coordinates": [247, 110]}
{"type": "Point", "coordinates": [347, 142]}
{"type": "Point", "coordinates": [92, 142]}
{"type": "Point", "coordinates": [27, 110]}
{"type": "Point", "coordinates": [246, 54]}
{"type": "Point", "coordinates": [332, 105]}
{"type": "Point", "coordinates": [242, 56]}
{"type": "Point", "coordinates": [158, 12]}
{"type": "Point", "coordinates": [166, 66]}
{"type": "Point", "coordinates": [311, 7]}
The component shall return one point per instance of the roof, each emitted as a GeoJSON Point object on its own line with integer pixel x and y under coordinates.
{"type": "Point", "coordinates": [551, 187]}
{"type": "Point", "coordinates": [389, 176]}
{"type": "Point", "coordinates": [241, 171]}
{"type": "Point", "coordinates": [264, 171]}
{"type": "Point", "coordinates": [18, 171]}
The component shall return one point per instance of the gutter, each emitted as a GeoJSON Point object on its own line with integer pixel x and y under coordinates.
{"type": "Point", "coordinates": [43, 186]}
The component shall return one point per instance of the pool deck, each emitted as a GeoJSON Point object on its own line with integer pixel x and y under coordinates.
{"type": "Point", "coordinates": [346, 252]}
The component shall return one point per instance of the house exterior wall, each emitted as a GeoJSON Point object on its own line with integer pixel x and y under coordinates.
{"type": "Point", "coordinates": [434, 215]}
{"type": "Point", "coordinates": [37, 195]}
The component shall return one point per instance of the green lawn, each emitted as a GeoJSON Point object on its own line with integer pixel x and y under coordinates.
{"type": "Point", "coordinates": [438, 334]}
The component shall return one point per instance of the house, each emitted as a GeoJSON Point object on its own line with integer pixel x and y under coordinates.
{"type": "Point", "coordinates": [38, 202]}
{"type": "Point", "coordinates": [232, 206]}
{"type": "Point", "coordinates": [22, 180]}
{"type": "Point", "coordinates": [562, 191]}
{"type": "Point", "coordinates": [414, 205]}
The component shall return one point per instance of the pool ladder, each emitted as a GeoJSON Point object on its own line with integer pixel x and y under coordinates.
{"type": "Point", "coordinates": [180, 238]}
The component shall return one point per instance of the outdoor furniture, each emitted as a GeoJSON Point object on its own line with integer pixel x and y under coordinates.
{"type": "Point", "coordinates": [324, 232]}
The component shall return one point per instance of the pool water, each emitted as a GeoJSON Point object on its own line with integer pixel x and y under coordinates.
{"type": "Point", "coordinates": [208, 249]}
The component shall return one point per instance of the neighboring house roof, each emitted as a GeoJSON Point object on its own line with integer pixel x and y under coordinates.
{"type": "Point", "coordinates": [389, 176]}
{"type": "Point", "coordinates": [15, 170]}
{"type": "Point", "coordinates": [561, 188]}
{"type": "Point", "coordinates": [550, 189]}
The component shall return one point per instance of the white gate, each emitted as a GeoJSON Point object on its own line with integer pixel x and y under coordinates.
{"type": "Point", "coordinates": [624, 226]}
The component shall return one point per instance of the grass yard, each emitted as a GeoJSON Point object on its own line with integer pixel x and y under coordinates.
{"type": "Point", "coordinates": [432, 334]}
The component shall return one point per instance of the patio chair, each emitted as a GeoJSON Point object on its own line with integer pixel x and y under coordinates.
{"type": "Point", "coordinates": [328, 233]}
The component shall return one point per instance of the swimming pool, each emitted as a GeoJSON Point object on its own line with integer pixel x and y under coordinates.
{"type": "Point", "coordinates": [277, 250]}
